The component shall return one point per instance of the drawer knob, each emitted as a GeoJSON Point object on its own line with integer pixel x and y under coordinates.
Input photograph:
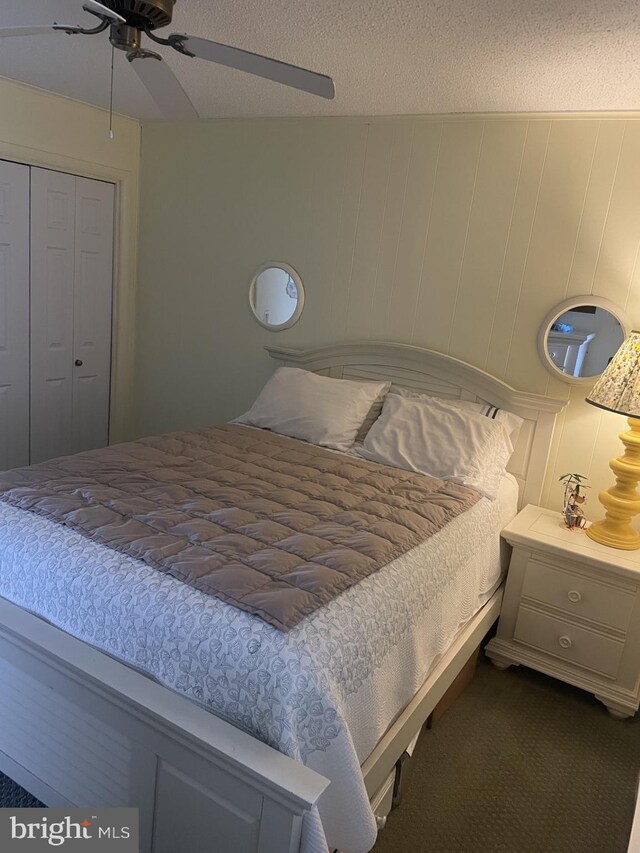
{"type": "Point", "coordinates": [574, 595]}
{"type": "Point", "coordinates": [565, 642]}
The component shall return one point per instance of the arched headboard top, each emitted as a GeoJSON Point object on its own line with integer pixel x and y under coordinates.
{"type": "Point", "coordinates": [441, 375]}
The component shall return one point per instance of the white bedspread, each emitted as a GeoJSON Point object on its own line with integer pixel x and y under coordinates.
{"type": "Point", "coordinates": [324, 693]}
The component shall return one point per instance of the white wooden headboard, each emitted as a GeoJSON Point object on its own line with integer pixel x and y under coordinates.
{"type": "Point", "coordinates": [443, 376]}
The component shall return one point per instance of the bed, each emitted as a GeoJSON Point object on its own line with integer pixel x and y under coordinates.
{"type": "Point", "coordinates": [84, 724]}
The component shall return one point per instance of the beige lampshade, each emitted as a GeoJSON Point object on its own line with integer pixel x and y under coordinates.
{"type": "Point", "coordinates": [618, 388]}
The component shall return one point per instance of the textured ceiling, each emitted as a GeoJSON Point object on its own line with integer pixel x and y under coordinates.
{"type": "Point", "coordinates": [386, 56]}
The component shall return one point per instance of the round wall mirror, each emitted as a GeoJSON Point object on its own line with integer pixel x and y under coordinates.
{"type": "Point", "coordinates": [580, 336]}
{"type": "Point", "coordinates": [276, 296]}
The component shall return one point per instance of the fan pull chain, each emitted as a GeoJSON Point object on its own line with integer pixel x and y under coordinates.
{"type": "Point", "coordinates": [110, 134]}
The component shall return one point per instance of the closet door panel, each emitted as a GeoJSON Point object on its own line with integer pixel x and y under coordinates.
{"type": "Point", "coordinates": [92, 313]}
{"type": "Point", "coordinates": [14, 315]}
{"type": "Point", "coordinates": [53, 201]}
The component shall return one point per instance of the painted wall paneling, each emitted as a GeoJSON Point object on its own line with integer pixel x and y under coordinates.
{"type": "Point", "coordinates": [456, 233]}
{"type": "Point", "coordinates": [70, 329]}
{"type": "Point", "coordinates": [14, 315]}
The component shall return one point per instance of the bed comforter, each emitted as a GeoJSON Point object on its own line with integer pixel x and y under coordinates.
{"type": "Point", "coordinates": [275, 529]}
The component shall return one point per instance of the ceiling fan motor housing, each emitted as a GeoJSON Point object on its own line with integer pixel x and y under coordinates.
{"type": "Point", "coordinates": [149, 14]}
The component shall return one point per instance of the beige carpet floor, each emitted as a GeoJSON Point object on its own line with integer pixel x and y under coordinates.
{"type": "Point", "coordinates": [521, 763]}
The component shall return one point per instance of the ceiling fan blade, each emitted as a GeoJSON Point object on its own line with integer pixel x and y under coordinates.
{"type": "Point", "coordinates": [163, 86]}
{"type": "Point", "coordinates": [96, 8]}
{"type": "Point", "coordinates": [91, 6]}
{"type": "Point", "coordinates": [7, 32]}
{"type": "Point", "coordinates": [261, 66]}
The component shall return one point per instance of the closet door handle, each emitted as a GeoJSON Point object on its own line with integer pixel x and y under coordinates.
{"type": "Point", "coordinates": [79, 362]}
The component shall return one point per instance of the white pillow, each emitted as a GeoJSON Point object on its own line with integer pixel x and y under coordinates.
{"type": "Point", "coordinates": [510, 420]}
{"type": "Point", "coordinates": [432, 436]}
{"type": "Point", "coordinates": [318, 409]}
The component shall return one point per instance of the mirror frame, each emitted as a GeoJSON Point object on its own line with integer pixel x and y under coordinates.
{"type": "Point", "coordinates": [252, 296]}
{"type": "Point", "coordinates": [557, 311]}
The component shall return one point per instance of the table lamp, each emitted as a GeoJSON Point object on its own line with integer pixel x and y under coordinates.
{"type": "Point", "coordinates": [618, 390]}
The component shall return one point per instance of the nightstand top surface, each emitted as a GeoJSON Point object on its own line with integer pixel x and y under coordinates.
{"type": "Point", "coordinates": [543, 530]}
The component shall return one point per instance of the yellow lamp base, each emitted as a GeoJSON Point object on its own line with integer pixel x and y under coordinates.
{"type": "Point", "coordinates": [621, 501]}
{"type": "Point", "coordinates": [622, 536]}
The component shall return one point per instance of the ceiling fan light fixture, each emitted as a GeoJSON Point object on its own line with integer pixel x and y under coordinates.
{"type": "Point", "coordinates": [124, 37]}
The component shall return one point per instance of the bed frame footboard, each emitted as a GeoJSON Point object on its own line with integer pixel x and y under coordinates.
{"type": "Point", "coordinates": [78, 728]}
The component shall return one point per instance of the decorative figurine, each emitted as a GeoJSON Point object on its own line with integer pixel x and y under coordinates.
{"type": "Point", "coordinates": [572, 511]}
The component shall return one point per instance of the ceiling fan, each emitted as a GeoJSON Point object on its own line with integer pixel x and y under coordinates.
{"type": "Point", "coordinates": [128, 20]}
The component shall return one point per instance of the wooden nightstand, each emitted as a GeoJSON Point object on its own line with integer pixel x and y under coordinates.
{"type": "Point", "coordinates": [571, 609]}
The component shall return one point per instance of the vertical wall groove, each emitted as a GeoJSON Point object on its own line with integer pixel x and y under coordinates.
{"type": "Point", "coordinates": [402, 216]}
{"type": "Point", "coordinates": [383, 220]}
{"type": "Point", "coordinates": [606, 216]}
{"type": "Point", "coordinates": [424, 247]}
{"type": "Point", "coordinates": [584, 203]}
{"type": "Point", "coordinates": [466, 239]}
{"type": "Point", "coordinates": [353, 251]}
{"type": "Point", "coordinates": [526, 257]}
{"type": "Point", "coordinates": [506, 246]}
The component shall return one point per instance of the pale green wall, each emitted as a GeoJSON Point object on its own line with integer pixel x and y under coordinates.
{"type": "Point", "coordinates": [458, 234]}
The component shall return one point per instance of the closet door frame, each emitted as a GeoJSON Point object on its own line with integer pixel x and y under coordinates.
{"type": "Point", "coordinates": [71, 290]}
{"type": "Point", "coordinates": [14, 316]}
{"type": "Point", "coordinates": [121, 410]}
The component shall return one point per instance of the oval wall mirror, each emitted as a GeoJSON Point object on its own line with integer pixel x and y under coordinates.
{"type": "Point", "coordinates": [580, 336]}
{"type": "Point", "coordinates": [276, 296]}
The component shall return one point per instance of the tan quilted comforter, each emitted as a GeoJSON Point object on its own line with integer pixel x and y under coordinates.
{"type": "Point", "coordinates": [271, 525]}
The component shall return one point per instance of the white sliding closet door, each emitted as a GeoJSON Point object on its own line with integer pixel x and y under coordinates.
{"type": "Point", "coordinates": [14, 315]}
{"type": "Point", "coordinates": [53, 201]}
{"type": "Point", "coordinates": [92, 299]}
{"type": "Point", "coordinates": [71, 291]}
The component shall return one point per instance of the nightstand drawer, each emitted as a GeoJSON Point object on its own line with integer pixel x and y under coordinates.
{"type": "Point", "coordinates": [578, 645]}
{"type": "Point", "coordinates": [583, 596]}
